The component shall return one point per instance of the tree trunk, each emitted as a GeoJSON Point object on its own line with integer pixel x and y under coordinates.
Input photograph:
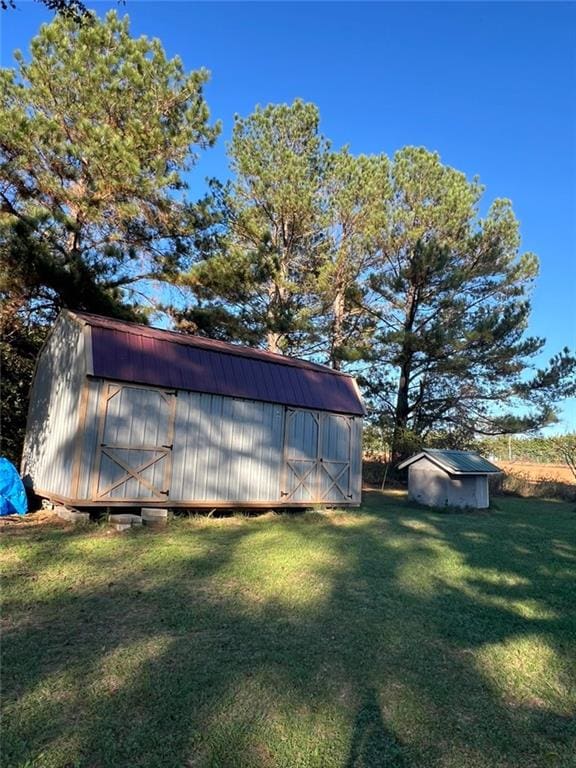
{"type": "Point", "coordinates": [277, 299]}
{"type": "Point", "coordinates": [273, 341]}
{"type": "Point", "coordinates": [402, 411]}
{"type": "Point", "coordinates": [337, 339]}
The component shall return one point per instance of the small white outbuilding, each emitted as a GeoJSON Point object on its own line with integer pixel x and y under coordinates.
{"type": "Point", "coordinates": [443, 478]}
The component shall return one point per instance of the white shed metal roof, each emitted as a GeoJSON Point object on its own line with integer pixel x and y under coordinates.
{"type": "Point", "coordinates": [455, 462]}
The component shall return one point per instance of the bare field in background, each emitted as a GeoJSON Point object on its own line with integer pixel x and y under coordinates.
{"type": "Point", "coordinates": [559, 473]}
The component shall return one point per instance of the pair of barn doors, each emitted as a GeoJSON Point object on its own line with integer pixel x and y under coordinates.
{"type": "Point", "coordinates": [317, 457]}
{"type": "Point", "coordinates": [136, 435]}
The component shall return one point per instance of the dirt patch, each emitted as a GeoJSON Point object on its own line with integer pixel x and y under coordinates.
{"type": "Point", "coordinates": [15, 524]}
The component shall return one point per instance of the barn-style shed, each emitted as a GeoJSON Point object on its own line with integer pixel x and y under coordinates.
{"type": "Point", "coordinates": [442, 478]}
{"type": "Point", "coordinates": [127, 415]}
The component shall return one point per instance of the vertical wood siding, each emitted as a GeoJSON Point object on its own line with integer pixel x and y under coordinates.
{"type": "Point", "coordinates": [301, 454]}
{"type": "Point", "coordinates": [138, 419]}
{"type": "Point", "coordinates": [52, 427]}
{"type": "Point", "coordinates": [90, 437]}
{"type": "Point", "coordinates": [482, 492]}
{"type": "Point", "coordinates": [427, 484]}
{"type": "Point", "coordinates": [356, 460]}
{"type": "Point", "coordinates": [226, 449]}
{"type": "Point", "coordinates": [322, 458]}
{"type": "Point", "coordinates": [336, 444]}
{"type": "Point", "coordinates": [462, 492]}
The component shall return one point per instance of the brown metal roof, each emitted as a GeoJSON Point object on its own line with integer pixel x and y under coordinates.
{"type": "Point", "coordinates": [140, 354]}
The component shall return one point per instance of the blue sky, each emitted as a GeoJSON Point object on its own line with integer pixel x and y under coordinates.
{"type": "Point", "coordinates": [490, 86]}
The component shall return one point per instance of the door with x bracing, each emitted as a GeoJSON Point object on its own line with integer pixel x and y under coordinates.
{"type": "Point", "coordinates": [317, 448]}
{"type": "Point", "coordinates": [134, 458]}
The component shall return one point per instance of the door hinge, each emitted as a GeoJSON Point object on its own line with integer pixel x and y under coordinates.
{"type": "Point", "coordinates": [165, 493]}
{"type": "Point", "coordinates": [170, 447]}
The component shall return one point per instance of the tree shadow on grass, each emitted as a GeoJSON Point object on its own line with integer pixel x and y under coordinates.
{"type": "Point", "coordinates": [364, 649]}
{"type": "Point", "coordinates": [372, 743]}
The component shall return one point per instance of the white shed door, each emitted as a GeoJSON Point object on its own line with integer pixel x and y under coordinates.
{"type": "Point", "coordinates": [334, 460]}
{"type": "Point", "coordinates": [135, 446]}
{"type": "Point", "coordinates": [317, 449]}
{"type": "Point", "coordinates": [482, 499]}
{"type": "Point", "coordinates": [301, 445]}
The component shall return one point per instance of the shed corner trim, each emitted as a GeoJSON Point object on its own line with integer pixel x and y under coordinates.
{"type": "Point", "coordinates": [413, 460]}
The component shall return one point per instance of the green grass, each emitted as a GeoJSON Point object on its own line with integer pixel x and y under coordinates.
{"type": "Point", "coordinates": [390, 637]}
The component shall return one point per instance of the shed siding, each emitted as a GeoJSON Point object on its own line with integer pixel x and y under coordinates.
{"type": "Point", "coordinates": [52, 428]}
{"type": "Point", "coordinates": [356, 461]}
{"type": "Point", "coordinates": [462, 491]}
{"type": "Point", "coordinates": [336, 443]}
{"type": "Point", "coordinates": [429, 484]}
{"type": "Point", "coordinates": [89, 438]}
{"type": "Point", "coordinates": [301, 446]}
{"type": "Point", "coordinates": [137, 417]}
{"type": "Point", "coordinates": [482, 492]}
{"type": "Point", "coordinates": [226, 449]}
{"type": "Point", "coordinates": [322, 458]}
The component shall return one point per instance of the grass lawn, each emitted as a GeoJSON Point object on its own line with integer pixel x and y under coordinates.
{"type": "Point", "coordinates": [389, 637]}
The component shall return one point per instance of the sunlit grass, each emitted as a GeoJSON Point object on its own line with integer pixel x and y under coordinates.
{"type": "Point", "coordinates": [389, 636]}
{"type": "Point", "coordinates": [533, 669]}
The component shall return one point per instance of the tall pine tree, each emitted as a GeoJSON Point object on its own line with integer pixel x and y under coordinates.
{"type": "Point", "coordinates": [96, 128]}
{"type": "Point", "coordinates": [288, 240]}
{"type": "Point", "coordinates": [255, 283]}
{"type": "Point", "coordinates": [356, 189]}
{"type": "Point", "coordinates": [451, 291]}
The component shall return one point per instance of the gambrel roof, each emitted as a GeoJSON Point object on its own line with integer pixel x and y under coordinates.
{"type": "Point", "coordinates": [129, 352]}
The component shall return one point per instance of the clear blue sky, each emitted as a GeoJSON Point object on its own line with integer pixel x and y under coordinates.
{"type": "Point", "coordinates": [490, 86]}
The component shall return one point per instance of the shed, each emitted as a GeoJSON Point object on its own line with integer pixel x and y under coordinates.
{"type": "Point", "coordinates": [442, 478]}
{"type": "Point", "coordinates": [127, 415]}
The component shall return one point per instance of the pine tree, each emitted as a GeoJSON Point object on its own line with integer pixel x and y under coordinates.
{"type": "Point", "coordinates": [288, 240]}
{"type": "Point", "coordinates": [356, 190]}
{"type": "Point", "coordinates": [95, 131]}
{"type": "Point", "coordinates": [451, 291]}
{"type": "Point", "coordinates": [255, 281]}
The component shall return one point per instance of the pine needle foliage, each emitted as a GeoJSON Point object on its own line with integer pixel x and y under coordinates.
{"type": "Point", "coordinates": [451, 289]}
{"type": "Point", "coordinates": [96, 128]}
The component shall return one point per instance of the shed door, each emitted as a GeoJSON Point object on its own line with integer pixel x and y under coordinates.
{"type": "Point", "coordinates": [334, 461]}
{"type": "Point", "coordinates": [301, 449]}
{"type": "Point", "coordinates": [135, 445]}
{"type": "Point", "coordinates": [317, 450]}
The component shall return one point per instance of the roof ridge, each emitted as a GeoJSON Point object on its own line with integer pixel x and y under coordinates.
{"type": "Point", "coordinates": [210, 345]}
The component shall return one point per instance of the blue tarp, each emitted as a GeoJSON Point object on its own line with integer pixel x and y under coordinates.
{"type": "Point", "coordinates": [12, 494]}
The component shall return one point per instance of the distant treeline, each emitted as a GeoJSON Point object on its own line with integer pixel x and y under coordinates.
{"type": "Point", "coordinates": [559, 449]}
{"type": "Point", "coordinates": [541, 450]}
